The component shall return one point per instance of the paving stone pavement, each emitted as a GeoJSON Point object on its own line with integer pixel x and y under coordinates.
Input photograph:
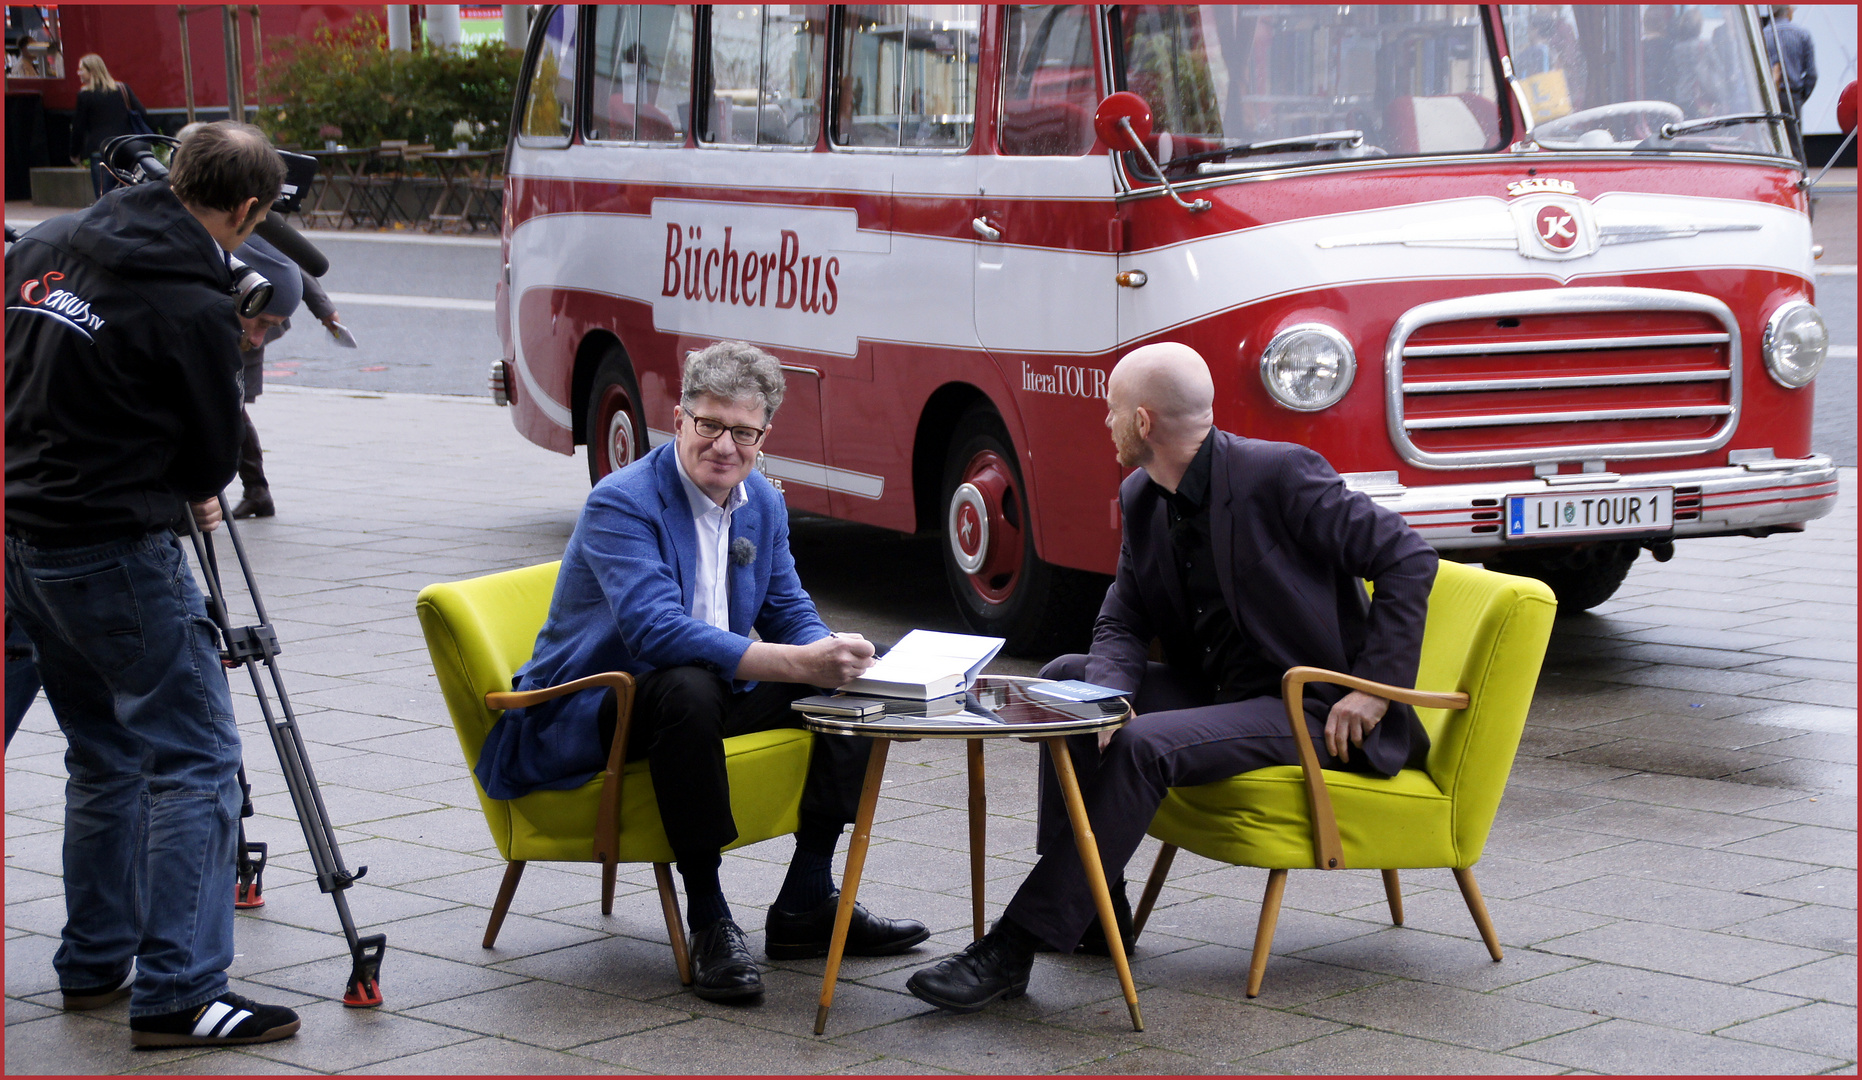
{"type": "Point", "coordinates": [1672, 870]}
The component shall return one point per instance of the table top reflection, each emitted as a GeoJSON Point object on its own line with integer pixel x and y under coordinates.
{"type": "Point", "coordinates": [996, 707]}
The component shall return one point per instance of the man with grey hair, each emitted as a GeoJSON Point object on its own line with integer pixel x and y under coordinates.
{"type": "Point", "coordinates": [674, 561]}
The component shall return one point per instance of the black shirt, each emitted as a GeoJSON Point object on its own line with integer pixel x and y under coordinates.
{"type": "Point", "coordinates": [1224, 651]}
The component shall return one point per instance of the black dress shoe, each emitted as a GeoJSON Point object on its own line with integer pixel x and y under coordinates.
{"type": "Point", "coordinates": [257, 502]}
{"type": "Point", "coordinates": [987, 969]}
{"type": "Point", "coordinates": [797, 937]}
{"type": "Point", "coordinates": [722, 968]}
{"type": "Point", "coordinates": [1093, 942]}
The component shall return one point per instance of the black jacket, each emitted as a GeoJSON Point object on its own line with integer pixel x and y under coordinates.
{"type": "Point", "coordinates": [122, 370]}
{"type": "Point", "coordinates": [1291, 543]}
{"type": "Point", "coordinates": [102, 115]}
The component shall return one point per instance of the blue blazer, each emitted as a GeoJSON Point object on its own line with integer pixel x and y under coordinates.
{"type": "Point", "coordinates": [621, 604]}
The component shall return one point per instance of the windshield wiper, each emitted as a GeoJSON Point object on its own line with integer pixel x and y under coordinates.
{"type": "Point", "coordinates": [1351, 139]}
{"type": "Point", "coordinates": [1708, 123]}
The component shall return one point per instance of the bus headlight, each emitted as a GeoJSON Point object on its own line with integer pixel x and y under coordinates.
{"type": "Point", "coordinates": [1795, 343]}
{"type": "Point", "coordinates": [1308, 367]}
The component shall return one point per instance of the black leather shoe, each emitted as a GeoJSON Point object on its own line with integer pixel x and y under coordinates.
{"type": "Point", "coordinates": [986, 969]}
{"type": "Point", "coordinates": [1093, 942]}
{"type": "Point", "coordinates": [722, 968]}
{"type": "Point", "coordinates": [257, 502]}
{"type": "Point", "coordinates": [798, 937]}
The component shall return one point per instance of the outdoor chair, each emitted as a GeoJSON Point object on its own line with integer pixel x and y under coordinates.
{"type": "Point", "coordinates": [479, 632]}
{"type": "Point", "coordinates": [1485, 637]}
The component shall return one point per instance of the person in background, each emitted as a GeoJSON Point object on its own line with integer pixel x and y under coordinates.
{"type": "Point", "coordinates": [1793, 59]}
{"type": "Point", "coordinates": [103, 112]}
{"type": "Point", "coordinates": [289, 284]}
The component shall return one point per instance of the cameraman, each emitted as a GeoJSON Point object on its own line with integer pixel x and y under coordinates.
{"type": "Point", "coordinates": [122, 409]}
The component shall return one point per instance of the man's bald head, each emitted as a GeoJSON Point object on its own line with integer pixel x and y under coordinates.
{"type": "Point", "coordinates": [1160, 403]}
{"type": "Point", "coordinates": [1168, 379]}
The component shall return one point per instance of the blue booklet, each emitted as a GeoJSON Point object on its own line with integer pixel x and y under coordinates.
{"type": "Point", "coordinates": [1074, 690]}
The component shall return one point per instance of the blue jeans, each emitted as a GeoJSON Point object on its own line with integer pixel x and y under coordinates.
{"type": "Point", "coordinates": [22, 678]}
{"type": "Point", "coordinates": [128, 657]}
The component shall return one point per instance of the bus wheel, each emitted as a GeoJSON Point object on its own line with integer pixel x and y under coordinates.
{"type": "Point", "coordinates": [1001, 586]}
{"type": "Point", "coordinates": [1580, 579]}
{"type": "Point", "coordinates": [613, 420]}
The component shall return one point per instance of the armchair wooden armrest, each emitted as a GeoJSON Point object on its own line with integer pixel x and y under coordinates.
{"type": "Point", "coordinates": [1328, 851]}
{"type": "Point", "coordinates": [608, 815]}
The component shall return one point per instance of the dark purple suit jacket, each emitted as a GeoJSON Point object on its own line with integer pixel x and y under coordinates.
{"type": "Point", "coordinates": [1291, 543]}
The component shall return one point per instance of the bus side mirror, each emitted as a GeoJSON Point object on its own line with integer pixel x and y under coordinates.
{"type": "Point", "coordinates": [1123, 121]}
{"type": "Point", "coordinates": [1845, 110]}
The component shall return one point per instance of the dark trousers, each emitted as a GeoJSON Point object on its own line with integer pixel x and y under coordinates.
{"type": "Point", "coordinates": [681, 718]}
{"type": "Point", "coordinates": [1177, 739]}
{"type": "Point", "coordinates": [251, 455]}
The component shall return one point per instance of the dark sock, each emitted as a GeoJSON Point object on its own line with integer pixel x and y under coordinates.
{"type": "Point", "coordinates": [704, 897]}
{"type": "Point", "coordinates": [1022, 941]}
{"type": "Point", "coordinates": [810, 880]}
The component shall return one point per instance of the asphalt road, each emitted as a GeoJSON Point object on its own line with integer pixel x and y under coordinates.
{"type": "Point", "coordinates": [420, 308]}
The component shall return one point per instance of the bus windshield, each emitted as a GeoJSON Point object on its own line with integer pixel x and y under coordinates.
{"type": "Point", "coordinates": [1640, 77]}
{"type": "Point", "coordinates": [1235, 87]}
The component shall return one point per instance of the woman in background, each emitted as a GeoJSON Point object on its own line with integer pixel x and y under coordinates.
{"type": "Point", "coordinates": [103, 113]}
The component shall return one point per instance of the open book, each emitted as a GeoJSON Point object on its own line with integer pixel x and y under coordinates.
{"type": "Point", "coordinates": [927, 664]}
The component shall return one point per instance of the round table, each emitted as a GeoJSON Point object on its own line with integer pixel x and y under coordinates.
{"type": "Point", "coordinates": [995, 707]}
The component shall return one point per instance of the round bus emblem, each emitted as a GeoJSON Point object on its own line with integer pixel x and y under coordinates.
{"type": "Point", "coordinates": [1557, 228]}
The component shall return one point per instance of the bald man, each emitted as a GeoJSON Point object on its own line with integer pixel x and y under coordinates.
{"type": "Point", "coordinates": [1244, 558]}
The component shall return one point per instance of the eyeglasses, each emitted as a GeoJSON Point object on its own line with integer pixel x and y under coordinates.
{"type": "Point", "coordinates": [743, 435]}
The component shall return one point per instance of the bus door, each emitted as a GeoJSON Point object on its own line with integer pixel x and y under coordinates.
{"type": "Point", "coordinates": [1044, 285]}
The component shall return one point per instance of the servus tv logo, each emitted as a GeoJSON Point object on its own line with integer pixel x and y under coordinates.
{"type": "Point", "coordinates": [42, 294]}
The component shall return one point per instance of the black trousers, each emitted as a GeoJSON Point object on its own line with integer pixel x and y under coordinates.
{"type": "Point", "coordinates": [681, 718]}
{"type": "Point", "coordinates": [251, 455]}
{"type": "Point", "coordinates": [1177, 739]}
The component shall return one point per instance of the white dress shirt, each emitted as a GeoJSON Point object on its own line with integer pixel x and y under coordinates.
{"type": "Point", "coordinates": [711, 592]}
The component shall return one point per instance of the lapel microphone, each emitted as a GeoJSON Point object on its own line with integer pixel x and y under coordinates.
{"type": "Point", "coordinates": [743, 551]}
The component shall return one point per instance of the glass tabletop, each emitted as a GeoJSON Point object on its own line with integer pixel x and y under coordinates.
{"type": "Point", "coordinates": [996, 707]}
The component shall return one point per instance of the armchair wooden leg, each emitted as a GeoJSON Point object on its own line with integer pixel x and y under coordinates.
{"type": "Point", "coordinates": [1478, 908]}
{"type": "Point", "coordinates": [513, 873]}
{"type": "Point", "coordinates": [1152, 886]}
{"type": "Point", "coordinates": [608, 868]}
{"type": "Point", "coordinates": [1393, 893]}
{"type": "Point", "coordinates": [675, 927]}
{"type": "Point", "coordinates": [979, 819]}
{"type": "Point", "coordinates": [1264, 933]}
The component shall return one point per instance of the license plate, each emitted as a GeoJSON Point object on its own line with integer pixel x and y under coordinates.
{"type": "Point", "coordinates": [1590, 513]}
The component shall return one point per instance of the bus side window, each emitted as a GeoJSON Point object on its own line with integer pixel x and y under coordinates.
{"type": "Point", "coordinates": [908, 76]}
{"type": "Point", "coordinates": [641, 80]}
{"type": "Point", "coordinates": [1049, 90]}
{"type": "Point", "coordinates": [766, 72]}
{"type": "Point", "coordinates": [549, 110]}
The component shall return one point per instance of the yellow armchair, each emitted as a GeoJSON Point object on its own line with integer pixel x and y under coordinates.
{"type": "Point", "coordinates": [479, 632]}
{"type": "Point", "coordinates": [1485, 636]}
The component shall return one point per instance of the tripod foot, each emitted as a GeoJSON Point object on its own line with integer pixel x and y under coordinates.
{"type": "Point", "coordinates": [364, 988]}
{"type": "Point", "coordinates": [248, 891]}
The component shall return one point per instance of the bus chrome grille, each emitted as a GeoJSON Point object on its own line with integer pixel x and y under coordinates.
{"type": "Point", "coordinates": [1560, 375]}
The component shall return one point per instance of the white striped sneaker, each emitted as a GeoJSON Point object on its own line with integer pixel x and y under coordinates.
{"type": "Point", "coordinates": [228, 1020]}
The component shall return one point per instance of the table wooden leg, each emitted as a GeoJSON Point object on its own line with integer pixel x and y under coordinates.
{"type": "Point", "coordinates": [1095, 871]}
{"type": "Point", "coordinates": [978, 829]}
{"type": "Point", "coordinates": [850, 881]}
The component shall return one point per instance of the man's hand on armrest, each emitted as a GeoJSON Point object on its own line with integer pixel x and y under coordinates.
{"type": "Point", "coordinates": [1351, 720]}
{"type": "Point", "coordinates": [829, 662]}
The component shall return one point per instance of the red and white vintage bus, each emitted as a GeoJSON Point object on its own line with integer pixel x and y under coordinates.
{"type": "Point", "coordinates": [1538, 277]}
